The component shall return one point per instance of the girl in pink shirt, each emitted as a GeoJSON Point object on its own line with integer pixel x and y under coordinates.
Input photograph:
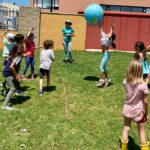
{"type": "Point", "coordinates": [29, 53]}
{"type": "Point", "coordinates": [136, 105]}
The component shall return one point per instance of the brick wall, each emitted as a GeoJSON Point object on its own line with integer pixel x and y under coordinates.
{"type": "Point", "coordinates": [29, 17]}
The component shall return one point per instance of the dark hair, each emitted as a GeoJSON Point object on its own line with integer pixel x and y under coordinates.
{"type": "Point", "coordinates": [19, 38]}
{"type": "Point", "coordinates": [48, 44]}
{"type": "Point", "coordinates": [15, 50]}
{"type": "Point", "coordinates": [137, 56]}
{"type": "Point", "coordinates": [140, 47]}
{"type": "Point", "coordinates": [113, 37]}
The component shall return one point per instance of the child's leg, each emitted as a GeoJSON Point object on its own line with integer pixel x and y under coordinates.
{"type": "Point", "coordinates": [42, 73]}
{"type": "Point", "coordinates": [41, 84]}
{"type": "Point", "coordinates": [142, 135]}
{"type": "Point", "coordinates": [32, 66]}
{"type": "Point", "coordinates": [11, 85]}
{"type": "Point", "coordinates": [126, 128]}
{"type": "Point", "coordinates": [27, 65]}
{"type": "Point", "coordinates": [48, 81]}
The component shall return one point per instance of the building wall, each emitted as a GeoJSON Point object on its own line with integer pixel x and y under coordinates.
{"type": "Point", "coordinates": [1, 43]}
{"type": "Point", "coordinates": [74, 6]}
{"type": "Point", "coordinates": [52, 25]}
{"type": "Point", "coordinates": [29, 17]}
{"type": "Point", "coordinates": [130, 27]}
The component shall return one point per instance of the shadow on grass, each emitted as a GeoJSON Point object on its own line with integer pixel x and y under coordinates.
{"type": "Point", "coordinates": [50, 88]}
{"type": "Point", "coordinates": [91, 78]}
{"type": "Point", "coordinates": [132, 145]}
{"type": "Point", "coordinates": [19, 99]}
{"type": "Point", "coordinates": [26, 88]}
{"type": "Point", "coordinates": [35, 76]}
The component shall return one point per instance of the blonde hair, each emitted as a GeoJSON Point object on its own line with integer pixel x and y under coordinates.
{"type": "Point", "coordinates": [135, 72]}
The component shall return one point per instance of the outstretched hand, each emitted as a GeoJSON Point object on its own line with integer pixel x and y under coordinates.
{"type": "Point", "coordinates": [113, 26]}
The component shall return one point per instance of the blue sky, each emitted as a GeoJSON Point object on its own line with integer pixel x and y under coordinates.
{"type": "Point", "coordinates": [18, 2]}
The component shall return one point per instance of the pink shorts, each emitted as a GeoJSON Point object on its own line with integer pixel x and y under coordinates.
{"type": "Point", "coordinates": [141, 118]}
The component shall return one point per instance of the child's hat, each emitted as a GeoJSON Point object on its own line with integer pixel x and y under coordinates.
{"type": "Point", "coordinates": [10, 36]}
{"type": "Point", "coordinates": [68, 21]}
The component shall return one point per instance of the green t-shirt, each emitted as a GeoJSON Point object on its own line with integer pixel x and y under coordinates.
{"type": "Point", "coordinates": [66, 33]}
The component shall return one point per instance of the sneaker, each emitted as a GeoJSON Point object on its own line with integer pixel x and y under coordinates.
{"type": "Point", "coordinates": [40, 92]}
{"type": "Point", "coordinates": [101, 83]}
{"type": "Point", "coordinates": [32, 77]}
{"type": "Point", "coordinates": [107, 82]}
{"type": "Point", "coordinates": [4, 93]}
{"type": "Point", "coordinates": [6, 107]}
{"type": "Point", "coordinates": [18, 92]}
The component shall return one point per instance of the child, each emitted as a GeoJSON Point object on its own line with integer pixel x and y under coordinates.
{"type": "Point", "coordinates": [19, 39]}
{"type": "Point", "coordinates": [46, 59]}
{"type": "Point", "coordinates": [106, 41]}
{"type": "Point", "coordinates": [68, 33]}
{"type": "Point", "coordinates": [10, 73]}
{"type": "Point", "coordinates": [29, 53]}
{"type": "Point", "coordinates": [8, 45]}
{"type": "Point", "coordinates": [141, 55]}
{"type": "Point", "coordinates": [136, 105]}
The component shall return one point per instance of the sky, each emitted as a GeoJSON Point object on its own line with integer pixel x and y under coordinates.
{"type": "Point", "coordinates": [18, 2]}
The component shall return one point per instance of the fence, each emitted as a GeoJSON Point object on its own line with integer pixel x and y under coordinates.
{"type": "Point", "coordinates": [8, 18]}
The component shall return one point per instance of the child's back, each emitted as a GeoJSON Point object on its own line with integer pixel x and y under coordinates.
{"type": "Point", "coordinates": [46, 58]}
{"type": "Point", "coordinates": [133, 104]}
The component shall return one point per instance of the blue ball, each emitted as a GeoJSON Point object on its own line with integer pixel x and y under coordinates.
{"type": "Point", "coordinates": [93, 14]}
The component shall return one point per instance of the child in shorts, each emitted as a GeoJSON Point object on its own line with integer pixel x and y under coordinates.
{"type": "Point", "coordinates": [135, 105]}
{"type": "Point", "coordinates": [46, 59]}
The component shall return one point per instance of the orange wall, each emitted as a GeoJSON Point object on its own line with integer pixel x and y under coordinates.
{"type": "Point", "coordinates": [1, 43]}
{"type": "Point", "coordinates": [52, 25]}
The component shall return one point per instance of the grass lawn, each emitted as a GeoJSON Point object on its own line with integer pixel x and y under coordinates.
{"type": "Point", "coordinates": [74, 114]}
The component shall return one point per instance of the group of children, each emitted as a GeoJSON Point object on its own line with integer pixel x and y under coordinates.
{"type": "Point", "coordinates": [135, 83]}
{"type": "Point", "coordinates": [135, 106]}
{"type": "Point", "coordinates": [15, 48]}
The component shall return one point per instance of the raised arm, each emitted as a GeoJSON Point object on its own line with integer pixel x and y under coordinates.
{"type": "Point", "coordinates": [111, 30]}
{"type": "Point", "coordinates": [29, 32]}
{"type": "Point", "coordinates": [100, 25]}
{"type": "Point", "coordinates": [3, 34]}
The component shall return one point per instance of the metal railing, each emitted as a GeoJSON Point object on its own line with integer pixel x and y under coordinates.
{"type": "Point", "coordinates": [8, 18]}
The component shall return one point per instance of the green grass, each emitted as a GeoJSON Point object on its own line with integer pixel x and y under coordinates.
{"type": "Point", "coordinates": [93, 120]}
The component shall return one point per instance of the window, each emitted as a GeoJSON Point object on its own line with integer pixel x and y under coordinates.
{"type": "Point", "coordinates": [46, 3]}
{"type": "Point", "coordinates": [104, 7]}
{"type": "Point", "coordinates": [39, 4]}
{"type": "Point", "coordinates": [136, 9]}
{"type": "Point", "coordinates": [148, 10]}
{"type": "Point", "coordinates": [114, 8]}
{"type": "Point", "coordinates": [126, 9]}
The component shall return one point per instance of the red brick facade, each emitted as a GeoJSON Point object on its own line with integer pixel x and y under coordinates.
{"type": "Point", "coordinates": [74, 6]}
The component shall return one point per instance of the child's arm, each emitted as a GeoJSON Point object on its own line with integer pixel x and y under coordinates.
{"type": "Point", "coordinates": [100, 26]}
{"type": "Point", "coordinates": [3, 34]}
{"type": "Point", "coordinates": [12, 68]}
{"type": "Point", "coordinates": [39, 47]}
{"type": "Point", "coordinates": [146, 105]}
{"type": "Point", "coordinates": [29, 32]}
{"type": "Point", "coordinates": [111, 30]}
